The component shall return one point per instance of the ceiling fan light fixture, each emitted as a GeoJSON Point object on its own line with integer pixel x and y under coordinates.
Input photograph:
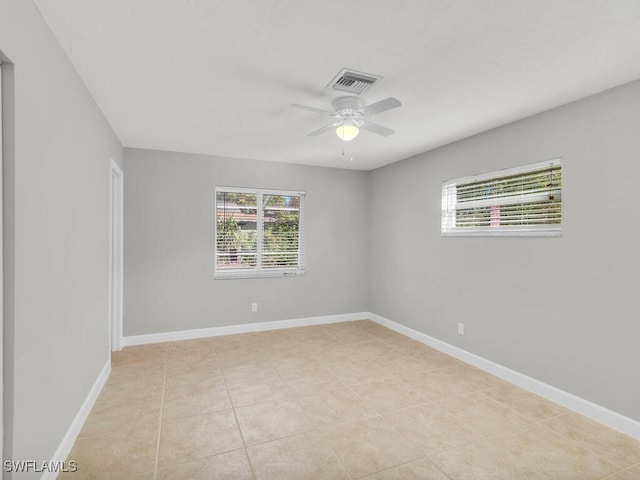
{"type": "Point", "coordinates": [347, 132]}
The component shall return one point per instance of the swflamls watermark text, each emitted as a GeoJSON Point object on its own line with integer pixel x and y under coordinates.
{"type": "Point", "coordinates": [24, 466]}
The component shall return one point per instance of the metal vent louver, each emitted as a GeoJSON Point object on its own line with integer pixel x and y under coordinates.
{"type": "Point", "coordinates": [353, 82]}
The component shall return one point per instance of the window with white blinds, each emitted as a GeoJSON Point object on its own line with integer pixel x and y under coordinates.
{"type": "Point", "coordinates": [259, 233]}
{"type": "Point", "coordinates": [519, 201]}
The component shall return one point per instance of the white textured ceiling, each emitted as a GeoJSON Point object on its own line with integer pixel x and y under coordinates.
{"type": "Point", "coordinates": [218, 77]}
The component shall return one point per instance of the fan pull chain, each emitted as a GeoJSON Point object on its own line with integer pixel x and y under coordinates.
{"type": "Point", "coordinates": [350, 156]}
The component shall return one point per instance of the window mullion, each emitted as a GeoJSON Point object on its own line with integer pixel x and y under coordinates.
{"type": "Point", "coordinates": [260, 230]}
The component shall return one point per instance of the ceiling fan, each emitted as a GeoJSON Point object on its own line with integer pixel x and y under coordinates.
{"type": "Point", "coordinates": [350, 116]}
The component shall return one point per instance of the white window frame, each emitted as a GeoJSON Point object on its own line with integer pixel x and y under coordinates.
{"type": "Point", "coordinates": [449, 205]}
{"type": "Point", "coordinates": [259, 271]}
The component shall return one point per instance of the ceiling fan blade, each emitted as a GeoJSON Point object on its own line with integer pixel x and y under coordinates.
{"type": "Point", "coordinates": [311, 109]}
{"type": "Point", "coordinates": [375, 128]}
{"type": "Point", "coordinates": [381, 106]}
{"type": "Point", "coordinates": [320, 131]}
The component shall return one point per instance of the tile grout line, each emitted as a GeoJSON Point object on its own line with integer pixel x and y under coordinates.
{"type": "Point", "coordinates": [164, 383]}
{"type": "Point", "coordinates": [316, 428]}
{"type": "Point", "coordinates": [235, 416]}
{"type": "Point", "coordinates": [376, 415]}
{"type": "Point", "coordinates": [382, 414]}
{"type": "Point", "coordinates": [615, 474]}
{"type": "Point", "coordinates": [334, 454]}
{"type": "Point", "coordinates": [403, 464]}
{"type": "Point", "coordinates": [530, 418]}
{"type": "Point", "coordinates": [588, 448]}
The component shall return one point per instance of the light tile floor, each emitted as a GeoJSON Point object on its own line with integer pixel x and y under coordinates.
{"type": "Point", "coordinates": [341, 401]}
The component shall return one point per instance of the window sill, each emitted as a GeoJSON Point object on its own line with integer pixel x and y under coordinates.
{"type": "Point", "coordinates": [238, 274]}
{"type": "Point", "coordinates": [504, 233]}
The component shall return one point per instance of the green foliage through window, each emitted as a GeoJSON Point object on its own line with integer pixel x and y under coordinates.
{"type": "Point", "coordinates": [258, 230]}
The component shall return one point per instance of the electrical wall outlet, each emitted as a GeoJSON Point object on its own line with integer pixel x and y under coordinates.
{"type": "Point", "coordinates": [254, 307]}
{"type": "Point", "coordinates": [461, 328]}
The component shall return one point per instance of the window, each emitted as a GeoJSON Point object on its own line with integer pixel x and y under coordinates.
{"type": "Point", "coordinates": [519, 201]}
{"type": "Point", "coordinates": [259, 233]}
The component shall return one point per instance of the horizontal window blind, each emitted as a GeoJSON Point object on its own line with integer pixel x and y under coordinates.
{"type": "Point", "coordinates": [259, 233]}
{"type": "Point", "coordinates": [521, 201]}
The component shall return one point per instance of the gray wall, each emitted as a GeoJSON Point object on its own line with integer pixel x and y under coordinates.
{"type": "Point", "coordinates": [169, 245]}
{"type": "Point", "coordinates": [56, 199]}
{"type": "Point", "coordinates": [562, 310]}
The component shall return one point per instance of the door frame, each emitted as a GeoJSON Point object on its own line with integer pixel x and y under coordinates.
{"type": "Point", "coordinates": [2, 276]}
{"type": "Point", "coordinates": [116, 224]}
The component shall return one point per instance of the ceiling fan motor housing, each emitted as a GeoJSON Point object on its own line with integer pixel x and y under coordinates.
{"type": "Point", "coordinates": [350, 104]}
{"type": "Point", "coordinates": [348, 108]}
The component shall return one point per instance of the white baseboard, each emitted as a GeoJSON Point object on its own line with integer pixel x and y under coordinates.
{"type": "Point", "coordinates": [244, 328]}
{"type": "Point", "coordinates": [65, 446]}
{"type": "Point", "coordinates": [584, 407]}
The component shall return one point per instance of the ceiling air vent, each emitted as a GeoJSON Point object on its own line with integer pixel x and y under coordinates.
{"type": "Point", "coordinates": [351, 81]}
